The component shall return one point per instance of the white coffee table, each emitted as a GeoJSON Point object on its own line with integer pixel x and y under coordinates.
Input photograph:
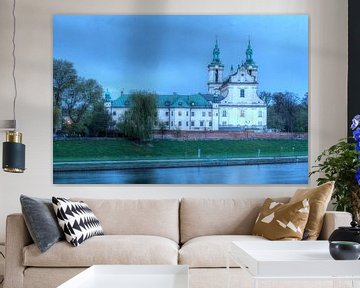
{"type": "Point", "coordinates": [293, 260]}
{"type": "Point", "coordinates": [131, 276]}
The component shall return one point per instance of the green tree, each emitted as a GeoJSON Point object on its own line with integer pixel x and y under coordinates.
{"type": "Point", "coordinates": [98, 120]}
{"type": "Point", "coordinates": [274, 119]}
{"type": "Point", "coordinates": [82, 99]}
{"type": "Point", "coordinates": [84, 95]}
{"type": "Point", "coordinates": [284, 111]}
{"type": "Point", "coordinates": [64, 79]}
{"type": "Point", "coordinates": [78, 105]}
{"type": "Point", "coordinates": [137, 122]}
{"type": "Point", "coordinates": [301, 115]}
{"type": "Point", "coordinates": [162, 128]}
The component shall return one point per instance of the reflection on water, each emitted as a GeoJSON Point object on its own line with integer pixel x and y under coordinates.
{"type": "Point", "coordinates": [293, 173]}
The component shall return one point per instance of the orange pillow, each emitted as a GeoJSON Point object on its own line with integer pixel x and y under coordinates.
{"type": "Point", "coordinates": [279, 221]}
{"type": "Point", "coordinates": [319, 198]}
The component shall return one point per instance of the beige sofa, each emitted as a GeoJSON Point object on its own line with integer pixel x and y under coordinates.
{"type": "Point", "coordinates": [194, 232]}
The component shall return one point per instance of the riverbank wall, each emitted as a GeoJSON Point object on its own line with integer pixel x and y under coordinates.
{"type": "Point", "coordinates": [228, 135]}
{"type": "Point", "coordinates": [173, 163]}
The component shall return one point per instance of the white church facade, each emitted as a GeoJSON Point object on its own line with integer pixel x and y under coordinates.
{"type": "Point", "coordinates": [231, 103]}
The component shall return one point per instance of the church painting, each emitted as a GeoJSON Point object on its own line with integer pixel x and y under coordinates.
{"type": "Point", "coordinates": [231, 102]}
{"type": "Point", "coordinates": [226, 98]}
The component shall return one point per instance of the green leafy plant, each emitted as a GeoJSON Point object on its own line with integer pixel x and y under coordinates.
{"type": "Point", "coordinates": [341, 163]}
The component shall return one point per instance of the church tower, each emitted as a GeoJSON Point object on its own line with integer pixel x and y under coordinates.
{"type": "Point", "coordinates": [250, 65]}
{"type": "Point", "coordinates": [107, 99]}
{"type": "Point", "coordinates": [215, 69]}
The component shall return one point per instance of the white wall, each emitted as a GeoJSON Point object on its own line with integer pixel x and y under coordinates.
{"type": "Point", "coordinates": [327, 75]}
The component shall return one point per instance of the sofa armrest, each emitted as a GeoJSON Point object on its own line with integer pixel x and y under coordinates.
{"type": "Point", "coordinates": [333, 220]}
{"type": "Point", "coordinates": [17, 237]}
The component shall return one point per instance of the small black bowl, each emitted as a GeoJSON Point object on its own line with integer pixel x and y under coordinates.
{"type": "Point", "coordinates": [344, 250]}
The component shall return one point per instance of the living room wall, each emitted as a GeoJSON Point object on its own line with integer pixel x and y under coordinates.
{"type": "Point", "coordinates": [327, 89]}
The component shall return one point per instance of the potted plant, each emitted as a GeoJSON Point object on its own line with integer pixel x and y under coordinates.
{"type": "Point", "coordinates": [341, 163]}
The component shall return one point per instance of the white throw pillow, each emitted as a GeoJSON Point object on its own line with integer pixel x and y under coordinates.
{"type": "Point", "coordinates": [77, 220]}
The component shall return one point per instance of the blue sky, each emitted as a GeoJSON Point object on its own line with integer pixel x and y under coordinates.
{"type": "Point", "coordinates": [167, 54]}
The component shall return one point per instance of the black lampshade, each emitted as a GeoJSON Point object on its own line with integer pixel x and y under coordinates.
{"type": "Point", "coordinates": [13, 153]}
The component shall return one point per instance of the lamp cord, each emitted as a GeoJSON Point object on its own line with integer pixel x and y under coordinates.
{"type": "Point", "coordinates": [14, 60]}
{"type": "Point", "coordinates": [2, 280]}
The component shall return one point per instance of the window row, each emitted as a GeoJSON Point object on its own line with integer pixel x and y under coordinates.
{"type": "Point", "coordinates": [186, 123]}
{"type": "Point", "coordinates": [224, 113]}
{"type": "Point", "coordinates": [242, 113]}
{"type": "Point", "coordinates": [180, 113]}
{"type": "Point", "coordinates": [224, 123]}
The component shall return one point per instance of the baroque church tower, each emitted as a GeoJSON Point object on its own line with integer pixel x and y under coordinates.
{"type": "Point", "coordinates": [249, 63]}
{"type": "Point", "coordinates": [240, 106]}
{"type": "Point", "coordinates": [215, 69]}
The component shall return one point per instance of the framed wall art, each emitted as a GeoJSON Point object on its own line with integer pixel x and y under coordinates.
{"type": "Point", "coordinates": [180, 99]}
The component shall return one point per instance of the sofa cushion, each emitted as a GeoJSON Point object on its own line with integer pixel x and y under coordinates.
{"type": "Point", "coordinates": [77, 220]}
{"type": "Point", "coordinates": [107, 249]}
{"type": "Point", "coordinates": [200, 217]}
{"type": "Point", "coordinates": [41, 221]}
{"type": "Point", "coordinates": [279, 221]}
{"type": "Point", "coordinates": [319, 198]}
{"type": "Point", "coordinates": [158, 217]}
{"type": "Point", "coordinates": [211, 251]}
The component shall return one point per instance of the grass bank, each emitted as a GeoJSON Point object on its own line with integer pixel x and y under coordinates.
{"type": "Point", "coordinates": [120, 149]}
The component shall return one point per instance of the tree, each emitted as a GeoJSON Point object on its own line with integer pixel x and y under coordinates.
{"type": "Point", "coordinates": [266, 97]}
{"type": "Point", "coordinates": [274, 119]}
{"type": "Point", "coordinates": [64, 79]}
{"type": "Point", "coordinates": [284, 111]}
{"type": "Point", "coordinates": [137, 122]}
{"type": "Point", "coordinates": [78, 102]}
{"type": "Point", "coordinates": [301, 116]}
{"type": "Point", "coordinates": [98, 120]}
{"type": "Point", "coordinates": [82, 98]}
{"type": "Point", "coordinates": [162, 128]}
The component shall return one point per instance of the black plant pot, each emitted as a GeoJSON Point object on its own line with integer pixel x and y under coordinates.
{"type": "Point", "coordinates": [344, 250]}
{"type": "Point", "coordinates": [351, 233]}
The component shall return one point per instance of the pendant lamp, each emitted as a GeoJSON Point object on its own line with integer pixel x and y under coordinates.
{"type": "Point", "coordinates": [13, 160]}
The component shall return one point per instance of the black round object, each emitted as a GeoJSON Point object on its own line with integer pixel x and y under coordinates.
{"type": "Point", "coordinates": [351, 233]}
{"type": "Point", "coordinates": [353, 223]}
{"type": "Point", "coordinates": [344, 250]}
{"type": "Point", "coordinates": [13, 156]}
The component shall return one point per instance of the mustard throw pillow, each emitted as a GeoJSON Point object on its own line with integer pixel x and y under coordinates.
{"type": "Point", "coordinates": [319, 198]}
{"type": "Point", "coordinates": [279, 221]}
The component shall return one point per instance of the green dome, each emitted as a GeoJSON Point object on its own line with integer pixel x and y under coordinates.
{"type": "Point", "coordinates": [107, 96]}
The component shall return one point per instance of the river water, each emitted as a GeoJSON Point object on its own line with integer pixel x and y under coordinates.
{"type": "Point", "coordinates": [289, 173]}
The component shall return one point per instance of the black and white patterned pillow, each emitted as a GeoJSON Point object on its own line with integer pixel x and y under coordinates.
{"type": "Point", "coordinates": [77, 220]}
